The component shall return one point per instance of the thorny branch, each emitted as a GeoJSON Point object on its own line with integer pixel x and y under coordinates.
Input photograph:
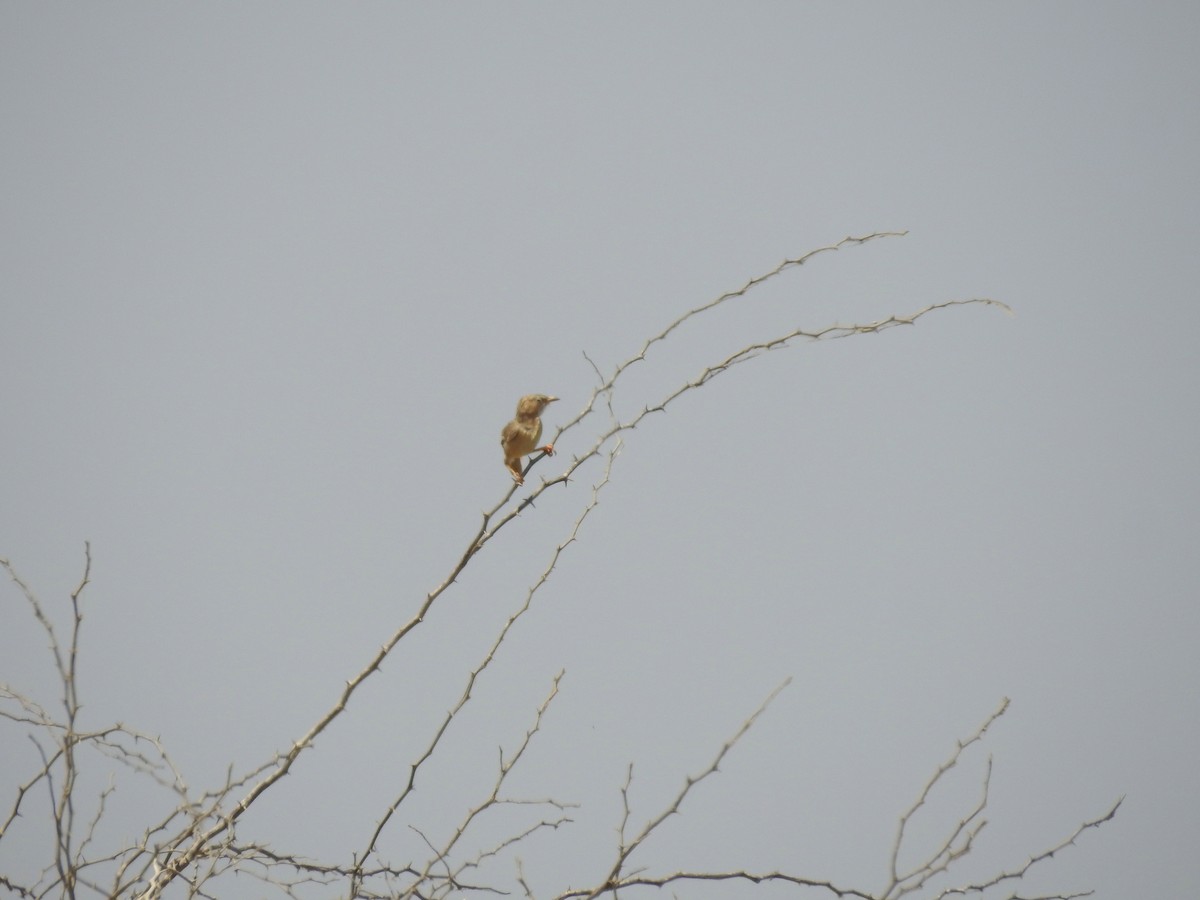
{"type": "Point", "coordinates": [961, 839]}
{"type": "Point", "coordinates": [494, 800]}
{"type": "Point", "coordinates": [493, 522]}
{"type": "Point", "coordinates": [613, 880]}
{"type": "Point", "coordinates": [478, 670]}
{"type": "Point", "coordinates": [955, 846]}
{"type": "Point", "coordinates": [197, 840]}
{"type": "Point", "coordinates": [1019, 872]}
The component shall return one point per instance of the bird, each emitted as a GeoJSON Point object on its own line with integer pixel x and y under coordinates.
{"type": "Point", "coordinates": [520, 436]}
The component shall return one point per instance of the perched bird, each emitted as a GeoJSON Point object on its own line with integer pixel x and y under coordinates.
{"type": "Point", "coordinates": [520, 436]}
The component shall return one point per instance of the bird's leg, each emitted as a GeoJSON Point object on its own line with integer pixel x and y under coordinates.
{"type": "Point", "coordinates": [548, 449]}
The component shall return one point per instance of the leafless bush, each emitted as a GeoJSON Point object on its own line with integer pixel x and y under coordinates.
{"type": "Point", "coordinates": [196, 843]}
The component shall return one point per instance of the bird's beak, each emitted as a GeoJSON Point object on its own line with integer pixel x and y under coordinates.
{"type": "Point", "coordinates": [551, 399]}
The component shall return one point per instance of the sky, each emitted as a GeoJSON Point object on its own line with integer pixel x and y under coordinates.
{"type": "Point", "coordinates": [273, 276]}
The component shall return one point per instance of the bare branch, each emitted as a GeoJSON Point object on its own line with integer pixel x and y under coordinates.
{"type": "Point", "coordinates": [1016, 873]}
{"type": "Point", "coordinates": [753, 877]}
{"type": "Point", "coordinates": [613, 880]}
{"type": "Point", "coordinates": [487, 659]}
{"type": "Point", "coordinates": [947, 851]}
{"type": "Point", "coordinates": [197, 841]}
{"type": "Point", "coordinates": [961, 840]}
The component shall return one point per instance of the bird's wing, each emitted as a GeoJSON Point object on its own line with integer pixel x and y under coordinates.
{"type": "Point", "coordinates": [517, 438]}
{"type": "Point", "coordinates": [510, 437]}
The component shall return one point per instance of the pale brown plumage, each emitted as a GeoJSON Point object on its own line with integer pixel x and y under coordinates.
{"type": "Point", "coordinates": [520, 436]}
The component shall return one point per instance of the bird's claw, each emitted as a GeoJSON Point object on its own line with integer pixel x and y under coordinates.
{"type": "Point", "coordinates": [548, 449]}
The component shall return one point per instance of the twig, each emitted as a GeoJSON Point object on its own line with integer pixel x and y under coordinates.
{"type": "Point", "coordinates": [613, 880]}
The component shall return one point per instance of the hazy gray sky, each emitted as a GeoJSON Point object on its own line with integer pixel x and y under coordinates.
{"type": "Point", "coordinates": [273, 277]}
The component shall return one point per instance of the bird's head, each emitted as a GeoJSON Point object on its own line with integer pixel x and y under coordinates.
{"type": "Point", "coordinates": [533, 404]}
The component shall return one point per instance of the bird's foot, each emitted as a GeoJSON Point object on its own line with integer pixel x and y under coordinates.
{"type": "Point", "coordinates": [548, 449]}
